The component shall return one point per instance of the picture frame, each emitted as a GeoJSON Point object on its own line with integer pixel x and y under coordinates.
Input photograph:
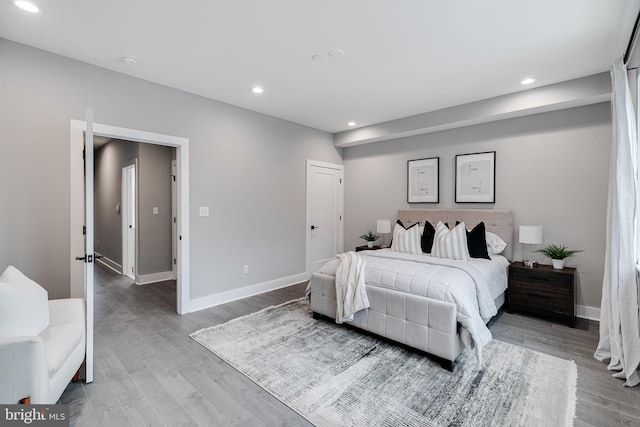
{"type": "Point", "coordinates": [475, 180]}
{"type": "Point", "coordinates": [423, 180]}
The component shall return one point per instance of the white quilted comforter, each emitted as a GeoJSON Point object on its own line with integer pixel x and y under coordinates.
{"type": "Point", "coordinates": [470, 285]}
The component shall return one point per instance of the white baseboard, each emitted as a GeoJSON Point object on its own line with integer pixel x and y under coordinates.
{"type": "Point", "coordinates": [109, 263]}
{"type": "Point", "coordinates": [145, 279]}
{"type": "Point", "coordinates": [586, 312]}
{"type": "Point", "coordinates": [236, 294]}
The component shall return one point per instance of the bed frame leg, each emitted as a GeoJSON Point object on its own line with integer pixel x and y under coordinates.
{"type": "Point", "coordinates": [447, 364]}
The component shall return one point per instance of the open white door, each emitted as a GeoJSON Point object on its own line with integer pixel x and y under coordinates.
{"type": "Point", "coordinates": [88, 256]}
{"type": "Point", "coordinates": [174, 219]}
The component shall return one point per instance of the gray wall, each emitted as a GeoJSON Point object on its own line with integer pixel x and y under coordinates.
{"type": "Point", "coordinates": [109, 160]}
{"type": "Point", "coordinates": [154, 190]}
{"type": "Point", "coordinates": [551, 169]}
{"type": "Point", "coordinates": [249, 169]}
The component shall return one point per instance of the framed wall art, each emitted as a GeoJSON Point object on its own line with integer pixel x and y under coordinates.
{"type": "Point", "coordinates": [423, 180]}
{"type": "Point", "coordinates": [476, 178]}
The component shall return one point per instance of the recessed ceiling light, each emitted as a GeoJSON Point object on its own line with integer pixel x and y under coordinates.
{"type": "Point", "coordinates": [27, 5]}
{"type": "Point", "coordinates": [528, 81]}
{"type": "Point", "coordinates": [316, 57]}
{"type": "Point", "coordinates": [257, 89]}
{"type": "Point", "coordinates": [336, 52]}
{"type": "Point", "coordinates": [352, 123]}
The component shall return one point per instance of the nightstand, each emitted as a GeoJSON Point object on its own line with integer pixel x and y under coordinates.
{"type": "Point", "coordinates": [544, 291]}
{"type": "Point", "coordinates": [367, 248]}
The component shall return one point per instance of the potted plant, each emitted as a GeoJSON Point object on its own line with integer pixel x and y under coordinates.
{"type": "Point", "coordinates": [557, 253]}
{"type": "Point", "coordinates": [370, 237]}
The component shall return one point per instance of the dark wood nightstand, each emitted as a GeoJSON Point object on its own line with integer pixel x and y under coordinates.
{"type": "Point", "coordinates": [367, 248]}
{"type": "Point", "coordinates": [543, 290]}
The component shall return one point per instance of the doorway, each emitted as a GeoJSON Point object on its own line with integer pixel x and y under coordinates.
{"type": "Point", "coordinates": [77, 201]}
{"type": "Point", "coordinates": [128, 212]}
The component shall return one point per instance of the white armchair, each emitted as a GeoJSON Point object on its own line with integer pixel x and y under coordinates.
{"type": "Point", "coordinates": [37, 366]}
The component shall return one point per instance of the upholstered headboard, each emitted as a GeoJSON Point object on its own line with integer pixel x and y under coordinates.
{"type": "Point", "coordinates": [499, 222]}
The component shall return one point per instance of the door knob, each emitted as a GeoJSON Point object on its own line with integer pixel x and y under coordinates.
{"type": "Point", "coordinates": [313, 227]}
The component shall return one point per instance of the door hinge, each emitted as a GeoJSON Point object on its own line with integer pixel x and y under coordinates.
{"type": "Point", "coordinates": [174, 261]}
{"type": "Point", "coordinates": [174, 178]}
{"type": "Point", "coordinates": [340, 217]}
{"type": "Point", "coordinates": [180, 237]}
{"type": "Point", "coordinates": [84, 230]}
{"type": "Point", "coordinates": [340, 180]}
{"type": "Point", "coordinates": [174, 219]}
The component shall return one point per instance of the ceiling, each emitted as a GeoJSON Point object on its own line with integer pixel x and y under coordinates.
{"type": "Point", "coordinates": [400, 57]}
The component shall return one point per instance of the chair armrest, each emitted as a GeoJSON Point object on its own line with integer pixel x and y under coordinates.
{"type": "Point", "coordinates": [68, 310]}
{"type": "Point", "coordinates": [23, 369]}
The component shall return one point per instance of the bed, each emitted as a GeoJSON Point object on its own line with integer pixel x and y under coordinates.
{"type": "Point", "coordinates": [429, 322]}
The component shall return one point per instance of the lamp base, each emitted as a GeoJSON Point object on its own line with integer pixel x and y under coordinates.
{"type": "Point", "coordinates": [530, 263]}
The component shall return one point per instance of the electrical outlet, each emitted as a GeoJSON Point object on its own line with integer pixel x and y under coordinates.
{"type": "Point", "coordinates": [245, 269]}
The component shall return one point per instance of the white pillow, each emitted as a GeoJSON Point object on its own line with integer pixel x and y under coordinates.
{"type": "Point", "coordinates": [495, 245]}
{"type": "Point", "coordinates": [451, 244]}
{"type": "Point", "coordinates": [24, 307]}
{"type": "Point", "coordinates": [407, 240]}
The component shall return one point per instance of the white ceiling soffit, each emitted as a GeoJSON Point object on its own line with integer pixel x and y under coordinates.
{"type": "Point", "coordinates": [574, 93]}
{"type": "Point", "coordinates": [400, 58]}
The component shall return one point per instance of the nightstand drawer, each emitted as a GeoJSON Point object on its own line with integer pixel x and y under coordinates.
{"type": "Point", "coordinates": [541, 296]}
{"type": "Point", "coordinates": [540, 276]}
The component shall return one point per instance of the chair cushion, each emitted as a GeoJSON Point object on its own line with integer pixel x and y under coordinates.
{"type": "Point", "coordinates": [59, 342]}
{"type": "Point", "coordinates": [24, 310]}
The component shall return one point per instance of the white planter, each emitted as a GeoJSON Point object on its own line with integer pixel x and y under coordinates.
{"type": "Point", "coordinates": [370, 244]}
{"type": "Point", "coordinates": [558, 264]}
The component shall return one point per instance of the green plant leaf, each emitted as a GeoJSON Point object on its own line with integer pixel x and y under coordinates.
{"type": "Point", "coordinates": [557, 251]}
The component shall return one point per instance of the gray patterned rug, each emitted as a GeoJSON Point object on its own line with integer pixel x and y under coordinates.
{"type": "Point", "coordinates": [335, 376]}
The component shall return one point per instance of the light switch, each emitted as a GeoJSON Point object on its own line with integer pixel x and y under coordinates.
{"type": "Point", "coordinates": [204, 210]}
{"type": "Point", "coordinates": [155, 210]}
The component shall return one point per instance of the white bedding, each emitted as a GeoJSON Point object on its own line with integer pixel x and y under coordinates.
{"type": "Point", "coordinates": [471, 285]}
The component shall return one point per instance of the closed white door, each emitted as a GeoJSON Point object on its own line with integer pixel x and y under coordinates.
{"type": "Point", "coordinates": [324, 212]}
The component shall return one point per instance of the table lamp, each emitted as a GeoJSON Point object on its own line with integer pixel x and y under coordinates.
{"type": "Point", "coordinates": [383, 227]}
{"type": "Point", "coordinates": [530, 235]}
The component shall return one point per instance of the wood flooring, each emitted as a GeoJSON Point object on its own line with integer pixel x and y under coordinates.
{"type": "Point", "coordinates": [148, 372]}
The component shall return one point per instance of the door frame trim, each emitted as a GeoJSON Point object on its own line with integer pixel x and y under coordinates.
{"type": "Point", "coordinates": [77, 129]}
{"type": "Point", "coordinates": [339, 223]}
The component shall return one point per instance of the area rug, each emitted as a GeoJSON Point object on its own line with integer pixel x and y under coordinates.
{"type": "Point", "coordinates": [336, 376]}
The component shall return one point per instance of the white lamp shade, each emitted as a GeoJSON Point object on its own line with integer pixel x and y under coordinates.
{"type": "Point", "coordinates": [531, 234]}
{"type": "Point", "coordinates": [383, 226]}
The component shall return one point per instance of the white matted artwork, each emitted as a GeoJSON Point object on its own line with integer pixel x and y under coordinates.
{"type": "Point", "coordinates": [476, 178]}
{"type": "Point", "coordinates": [423, 183]}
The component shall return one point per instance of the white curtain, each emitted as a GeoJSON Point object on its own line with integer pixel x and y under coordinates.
{"type": "Point", "coordinates": [619, 320]}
